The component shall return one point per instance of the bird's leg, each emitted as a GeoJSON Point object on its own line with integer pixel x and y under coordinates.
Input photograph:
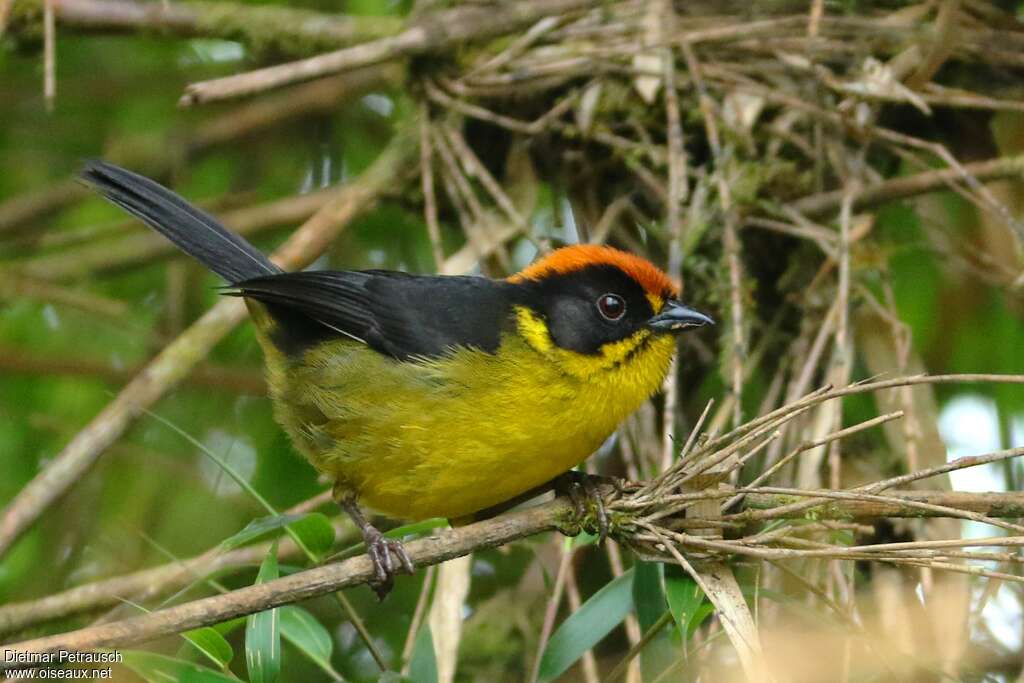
{"type": "Point", "coordinates": [379, 548]}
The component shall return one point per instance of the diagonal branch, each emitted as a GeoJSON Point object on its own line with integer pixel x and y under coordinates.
{"type": "Point", "coordinates": [299, 586]}
{"type": "Point", "coordinates": [432, 32]}
{"type": "Point", "coordinates": [556, 515]}
{"type": "Point", "coordinates": [909, 186]}
{"type": "Point", "coordinates": [181, 355]}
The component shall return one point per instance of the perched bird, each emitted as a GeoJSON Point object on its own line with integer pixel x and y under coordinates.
{"type": "Point", "coordinates": [437, 396]}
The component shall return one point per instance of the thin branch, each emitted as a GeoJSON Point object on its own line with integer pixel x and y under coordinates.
{"type": "Point", "coordinates": [908, 186]}
{"type": "Point", "coordinates": [431, 32]}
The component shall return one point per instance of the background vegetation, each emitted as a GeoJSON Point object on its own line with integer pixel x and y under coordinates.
{"type": "Point", "coordinates": [838, 183]}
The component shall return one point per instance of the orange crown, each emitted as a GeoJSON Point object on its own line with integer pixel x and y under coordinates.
{"type": "Point", "coordinates": [578, 256]}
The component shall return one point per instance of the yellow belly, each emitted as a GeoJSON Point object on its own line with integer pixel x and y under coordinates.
{"type": "Point", "coordinates": [452, 436]}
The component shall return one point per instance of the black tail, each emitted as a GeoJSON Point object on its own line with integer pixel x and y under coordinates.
{"type": "Point", "coordinates": [194, 231]}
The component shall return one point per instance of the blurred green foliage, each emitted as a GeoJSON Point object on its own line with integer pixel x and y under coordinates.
{"type": "Point", "coordinates": [155, 496]}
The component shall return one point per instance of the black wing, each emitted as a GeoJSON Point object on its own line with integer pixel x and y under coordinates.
{"type": "Point", "coordinates": [397, 314]}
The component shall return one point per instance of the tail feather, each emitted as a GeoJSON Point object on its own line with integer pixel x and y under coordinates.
{"type": "Point", "coordinates": [194, 231]}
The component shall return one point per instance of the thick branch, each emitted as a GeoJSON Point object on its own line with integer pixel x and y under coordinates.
{"type": "Point", "coordinates": [300, 586]}
{"type": "Point", "coordinates": [554, 515]}
{"type": "Point", "coordinates": [181, 355]}
{"type": "Point", "coordinates": [264, 28]}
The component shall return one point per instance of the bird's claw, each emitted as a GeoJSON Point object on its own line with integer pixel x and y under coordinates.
{"type": "Point", "coordinates": [581, 489]}
{"type": "Point", "coordinates": [383, 552]}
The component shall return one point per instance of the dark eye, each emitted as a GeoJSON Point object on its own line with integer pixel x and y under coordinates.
{"type": "Point", "coordinates": [611, 306]}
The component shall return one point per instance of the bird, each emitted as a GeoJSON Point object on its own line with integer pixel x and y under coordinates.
{"type": "Point", "coordinates": [424, 396]}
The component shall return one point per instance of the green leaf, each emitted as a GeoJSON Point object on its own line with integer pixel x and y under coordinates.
{"type": "Point", "coordinates": [587, 626]}
{"type": "Point", "coordinates": [649, 598]}
{"type": "Point", "coordinates": [212, 644]}
{"type": "Point", "coordinates": [648, 595]}
{"type": "Point", "coordinates": [301, 629]}
{"type": "Point", "coordinates": [315, 532]}
{"type": "Point", "coordinates": [686, 601]}
{"type": "Point", "coordinates": [258, 528]}
{"type": "Point", "coordinates": [156, 668]}
{"type": "Point", "coordinates": [583, 538]}
{"type": "Point", "coordinates": [422, 663]}
{"type": "Point", "coordinates": [262, 632]}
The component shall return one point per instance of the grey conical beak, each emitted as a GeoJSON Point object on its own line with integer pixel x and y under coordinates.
{"type": "Point", "coordinates": [675, 317]}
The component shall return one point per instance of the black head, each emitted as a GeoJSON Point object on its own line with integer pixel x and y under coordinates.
{"type": "Point", "coordinates": [600, 302]}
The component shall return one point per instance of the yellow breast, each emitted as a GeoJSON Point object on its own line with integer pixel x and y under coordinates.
{"type": "Point", "coordinates": [450, 436]}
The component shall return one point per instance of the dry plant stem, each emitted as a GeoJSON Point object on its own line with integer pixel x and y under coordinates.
{"type": "Point", "coordinates": [474, 168]}
{"type": "Point", "coordinates": [517, 47]}
{"type": "Point", "coordinates": [5, 13]}
{"type": "Point", "coordinates": [463, 196]}
{"type": "Point", "coordinates": [729, 231]}
{"type": "Point", "coordinates": [677, 191]}
{"type": "Point", "coordinates": [829, 393]}
{"type": "Point", "coordinates": [821, 496]}
{"type": "Point", "coordinates": [842, 433]}
{"type": "Point", "coordinates": [179, 357]}
{"type": "Point", "coordinates": [734, 616]}
{"type": "Point", "coordinates": [49, 54]}
{"type": "Point", "coordinates": [301, 585]}
{"type": "Point", "coordinates": [427, 182]}
{"type": "Point", "coordinates": [431, 32]}
{"type": "Point", "coordinates": [959, 463]}
{"type": "Point", "coordinates": [868, 196]}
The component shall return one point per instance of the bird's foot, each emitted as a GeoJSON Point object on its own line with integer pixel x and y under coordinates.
{"type": "Point", "coordinates": [582, 489]}
{"type": "Point", "coordinates": [383, 552]}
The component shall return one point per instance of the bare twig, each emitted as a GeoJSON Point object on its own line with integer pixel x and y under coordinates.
{"type": "Point", "coordinates": [429, 33]}
{"type": "Point", "coordinates": [908, 186]}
